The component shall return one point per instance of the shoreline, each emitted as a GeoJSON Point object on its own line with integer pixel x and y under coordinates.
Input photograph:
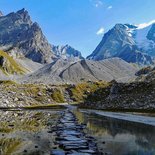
{"type": "Point", "coordinates": [148, 120]}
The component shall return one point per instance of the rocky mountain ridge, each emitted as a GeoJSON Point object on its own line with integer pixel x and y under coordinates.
{"type": "Point", "coordinates": [24, 41]}
{"type": "Point", "coordinates": [21, 37]}
{"type": "Point", "coordinates": [67, 52]}
{"type": "Point", "coordinates": [129, 42]}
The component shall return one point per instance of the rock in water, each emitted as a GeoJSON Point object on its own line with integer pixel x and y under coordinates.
{"type": "Point", "coordinates": [71, 138]}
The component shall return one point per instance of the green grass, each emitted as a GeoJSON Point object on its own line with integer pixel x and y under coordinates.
{"type": "Point", "coordinates": [7, 82]}
{"type": "Point", "coordinates": [80, 91]}
{"type": "Point", "coordinates": [35, 123]}
{"type": "Point", "coordinates": [11, 66]}
{"type": "Point", "coordinates": [9, 145]}
{"type": "Point", "coordinates": [58, 96]}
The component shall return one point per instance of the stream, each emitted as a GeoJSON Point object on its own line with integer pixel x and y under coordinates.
{"type": "Point", "coordinates": [74, 131]}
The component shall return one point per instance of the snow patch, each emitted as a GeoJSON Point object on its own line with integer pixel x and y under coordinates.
{"type": "Point", "coordinates": [144, 25]}
{"type": "Point", "coordinates": [141, 38]}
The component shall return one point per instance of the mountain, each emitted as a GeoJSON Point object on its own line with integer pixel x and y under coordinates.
{"type": "Point", "coordinates": [20, 36]}
{"type": "Point", "coordinates": [1, 14]}
{"type": "Point", "coordinates": [64, 71]}
{"type": "Point", "coordinates": [23, 38]}
{"type": "Point", "coordinates": [132, 43]}
{"type": "Point", "coordinates": [66, 52]}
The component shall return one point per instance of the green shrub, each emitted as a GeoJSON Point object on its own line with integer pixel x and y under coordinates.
{"type": "Point", "coordinates": [57, 96]}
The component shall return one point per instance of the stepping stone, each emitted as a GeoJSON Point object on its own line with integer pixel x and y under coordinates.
{"type": "Point", "coordinates": [57, 152]}
{"type": "Point", "coordinates": [73, 142]}
{"type": "Point", "coordinates": [87, 151]}
{"type": "Point", "coordinates": [78, 153]}
{"type": "Point", "coordinates": [71, 133]}
{"type": "Point", "coordinates": [71, 137]}
{"type": "Point", "coordinates": [74, 147]}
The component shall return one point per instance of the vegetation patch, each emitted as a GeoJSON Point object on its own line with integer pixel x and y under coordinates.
{"type": "Point", "coordinates": [80, 91]}
{"type": "Point", "coordinates": [57, 96]}
{"type": "Point", "coordinates": [9, 66]}
{"type": "Point", "coordinates": [9, 145]}
{"type": "Point", "coordinates": [7, 82]}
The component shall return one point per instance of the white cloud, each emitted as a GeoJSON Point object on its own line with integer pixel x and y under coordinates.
{"type": "Point", "coordinates": [143, 25]}
{"type": "Point", "coordinates": [96, 3]}
{"type": "Point", "coordinates": [100, 31]}
{"type": "Point", "coordinates": [109, 7]}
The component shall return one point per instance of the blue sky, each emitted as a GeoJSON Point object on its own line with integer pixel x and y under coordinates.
{"type": "Point", "coordinates": [81, 23]}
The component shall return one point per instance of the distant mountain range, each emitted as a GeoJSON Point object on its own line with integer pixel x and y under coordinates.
{"type": "Point", "coordinates": [25, 50]}
{"type": "Point", "coordinates": [131, 43]}
{"type": "Point", "coordinates": [66, 52]}
{"type": "Point", "coordinates": [22, 37]}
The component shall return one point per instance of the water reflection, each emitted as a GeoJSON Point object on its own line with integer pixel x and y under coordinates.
{"type": "Point", "coordinates": [27, 132]}
{"type": "Point", "coordinates": [119, 137]}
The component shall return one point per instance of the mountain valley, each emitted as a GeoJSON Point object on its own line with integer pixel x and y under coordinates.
{"type": "Point", "coordinates": [55, 101]}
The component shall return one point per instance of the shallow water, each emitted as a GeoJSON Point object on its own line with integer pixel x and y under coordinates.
{"type": "Point", "coordinates": [113, 136]}
{"type": "Point", "coordinates": [27, 132]}
{"type": "Point", "coordinates": [118, 137]}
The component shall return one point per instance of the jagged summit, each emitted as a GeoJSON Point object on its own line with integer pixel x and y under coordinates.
{"type": "Point", "coordinates": [24, 14]}
{"type": "Point", "coordinates": [25, 37]}
{"type": "Point", "coordinates": [22, 11]}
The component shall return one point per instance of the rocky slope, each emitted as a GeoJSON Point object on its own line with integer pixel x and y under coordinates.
{"type": "Point", "coordinates": [131, 43]}
{"type": "Point", "coordinates": [13, 68]}
{"type": "Point", "coordinates": [21, 37]}
{"type": "Point", "coordinates": [64, 71]}
{"type": "Point", "coordinates": [13, 94]}
{"type": "Point", "coordinates": [139, 94]}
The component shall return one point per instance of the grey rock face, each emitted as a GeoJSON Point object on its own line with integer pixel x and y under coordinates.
{"type": "Point", "coordinates": [151, 33]}
{"type": "Point", "coordinates": [111, 43]}
{"type": "Point", "coordinates": [66, 52]}
{"type": "Point", "coordinates": [122, 41]}
{"type": "Point", "coordinates": [133, 55]}
{"type": "Point", "coordinates": [1, 14]}
{"type": "Point", "coordinates": [18, 31]}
